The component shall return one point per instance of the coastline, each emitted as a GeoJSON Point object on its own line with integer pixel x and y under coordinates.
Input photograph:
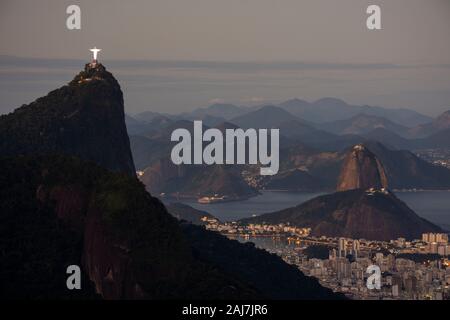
{"type": "Point", "coordinates": [192, 198]}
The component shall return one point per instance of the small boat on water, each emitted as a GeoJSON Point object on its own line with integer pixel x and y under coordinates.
{"type": "Point", "coordinates": [213, 199]}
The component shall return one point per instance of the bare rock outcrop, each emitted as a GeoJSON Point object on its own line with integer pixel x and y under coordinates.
{"type": "Point", "coordinates": [361, 170]}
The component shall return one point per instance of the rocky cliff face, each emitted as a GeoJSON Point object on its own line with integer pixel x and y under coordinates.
{"type": "Point", "coordinates": [84, 118]}
{"type": "Point", "coordinates": [361, 170]}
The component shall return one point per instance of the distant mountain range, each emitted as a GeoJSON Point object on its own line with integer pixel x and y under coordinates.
{"type": "Point", "coordinates": [291, 128]}
{"type": "Point", "coordinates": [327, 124]}
{"type": "Point", "coordinates": [320, 111]}
{"type": "Point", "coordinates": [331, 109]}
{"type": "Point", "coordinates": [313, 168]}
{"type": "Point", "coordinates": [219, 111]}
{"type": "Point", "coordinates": [427, 129]}
{"type": "Point", "coordinates": [264, 117]}
{"type": "Point", "coordinates": [362, 124]}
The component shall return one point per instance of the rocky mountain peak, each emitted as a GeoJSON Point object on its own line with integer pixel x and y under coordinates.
{"type": "Point", "coordinates": [361, 170]}
{"type": "Point", "coordinates": [84, 119]}
{"type": "Point", "coordinates": [94, 72]}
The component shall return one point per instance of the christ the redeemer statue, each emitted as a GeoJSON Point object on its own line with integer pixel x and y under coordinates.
{"type": "Point", "coordinates": [95, 52]}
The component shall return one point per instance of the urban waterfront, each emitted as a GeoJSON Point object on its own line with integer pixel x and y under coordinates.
{"type": "Point", "coordinates": [417, 269]}
{"type": "Point", "coordinates": [409, 270]}
{"type": "Point", "coordinates": [431, 205]}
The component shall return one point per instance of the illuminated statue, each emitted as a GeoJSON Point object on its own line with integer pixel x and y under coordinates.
{"type": "Point", "coordinates": [95, 51]}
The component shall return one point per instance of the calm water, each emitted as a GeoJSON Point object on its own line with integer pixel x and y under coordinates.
{"type": "Point", "coordinates": [268, 201]}
{"type": "Point", "coordinates": [432, 205]}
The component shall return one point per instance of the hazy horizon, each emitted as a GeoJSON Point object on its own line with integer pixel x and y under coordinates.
{"type": "Point", "coordinates": [182, 86]}
{"type": "Point", "coordinates": [175, 56]}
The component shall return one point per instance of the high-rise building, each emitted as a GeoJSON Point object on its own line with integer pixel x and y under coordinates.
{"type": "Point", "coordinates": [435, 237]}
{"type": "Point", "coordinates": [344, 269]}
{"type": "Point", "coordinates": [443, 250]}
{"type": "Point", "coordinates": [432, 237]}
{"type": "Point", "coordinates": [410, 284]}
{"type": "Point", "coordinates": [442, 238]}
{"type": "Point", "coordinates": [356, 248]}
{"type": "Point", "coordinates": [395, 290]}
{"type": "Point", "coordinates": [433, 247]}
{"type": "Point", "coordinates": [342, 247]}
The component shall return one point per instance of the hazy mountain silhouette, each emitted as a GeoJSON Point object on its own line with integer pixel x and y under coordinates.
{"type": "Point", "coordinates": [389, 139]}
{"type": "Point", "coordinates": [218, 110]}
{"type": "Point", "coordinates": [332, 109]}
{"type": "Point", "coordinates": [442, 122]}
{"type": "Point", "coordinates": [362, 124]}
{"type": "Point", "coordinates": [264, 118]}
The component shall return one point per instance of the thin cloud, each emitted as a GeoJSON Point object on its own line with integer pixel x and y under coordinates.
{"type": "Point", "coordinates": [216, 100]}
